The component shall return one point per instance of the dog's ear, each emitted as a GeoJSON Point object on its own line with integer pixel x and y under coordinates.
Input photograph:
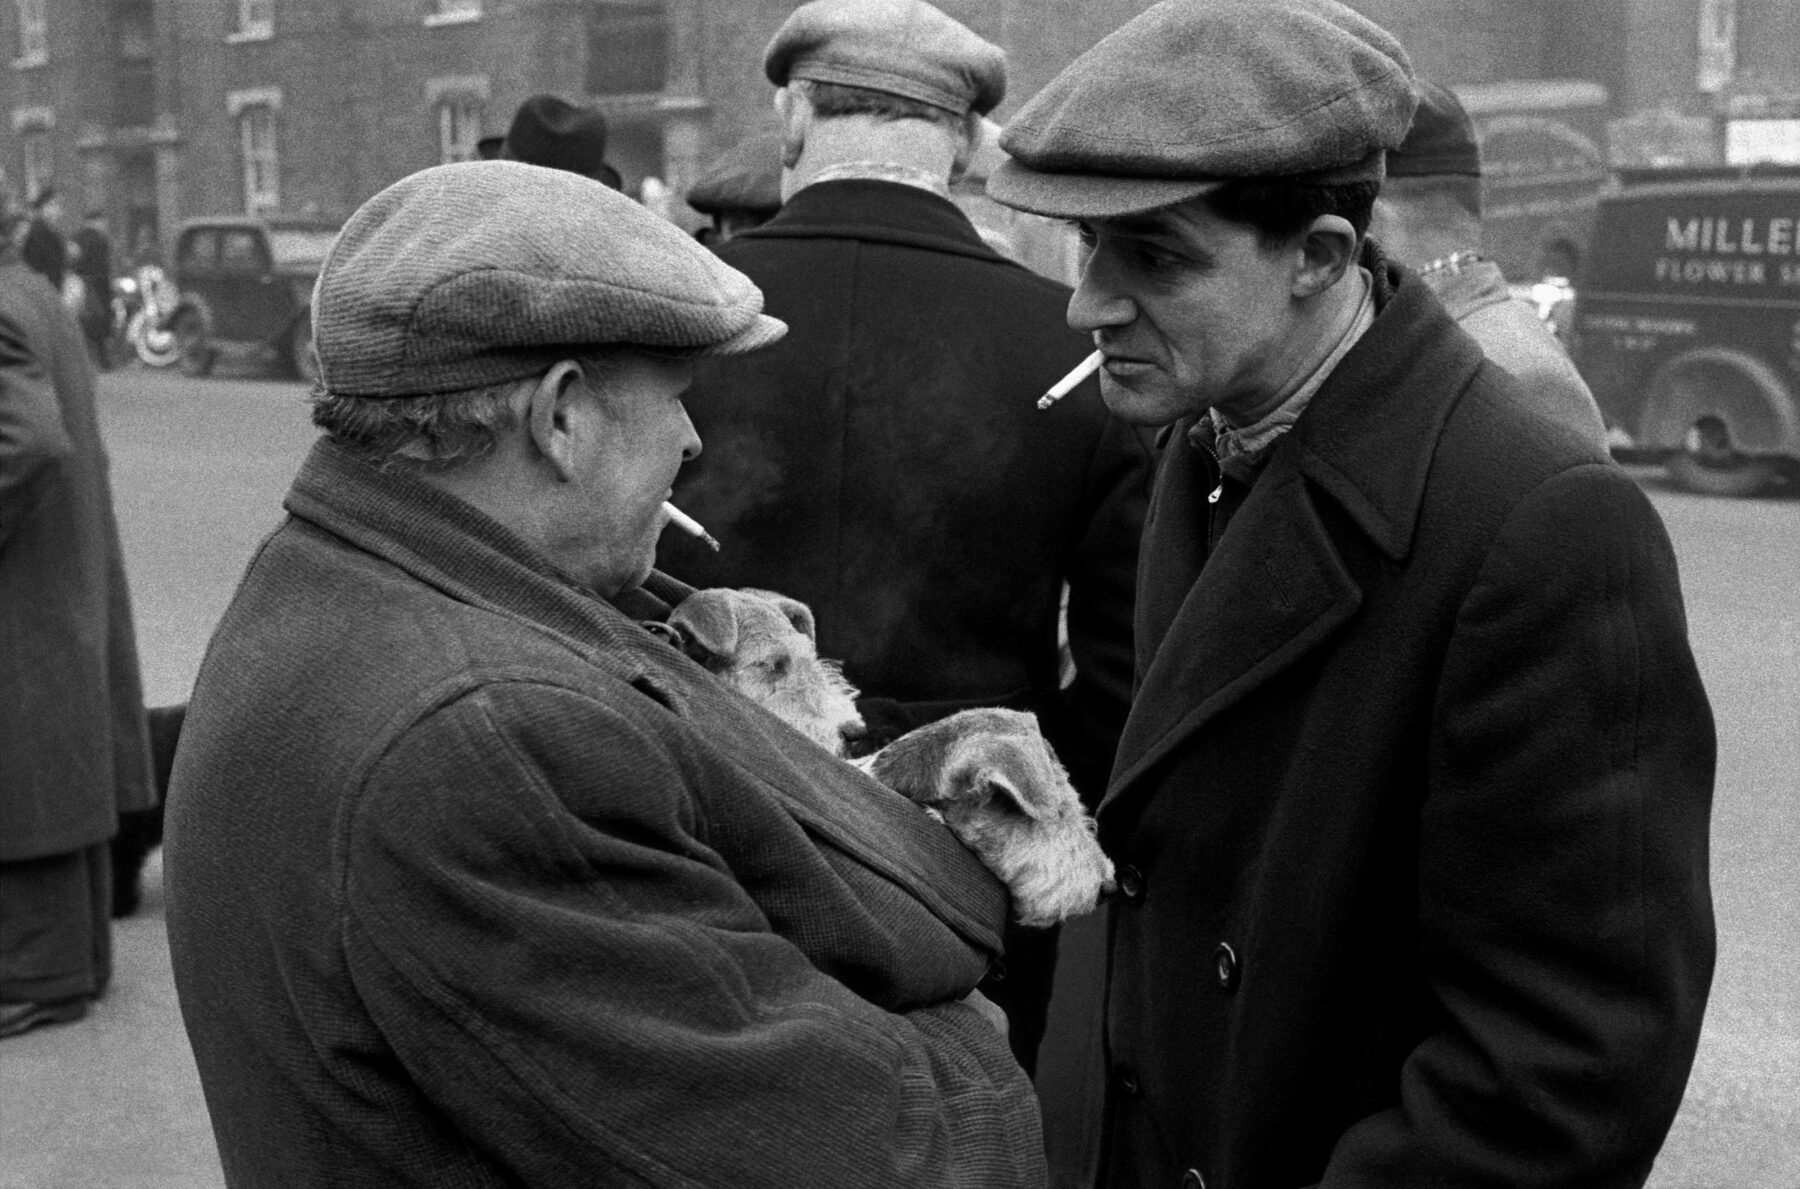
{"type": "Point", "coordinates": [707, 621]}
{"type": "Point", "coordinates": [990, 771]}
{"type": "Point", "coordinates": [798, 613]}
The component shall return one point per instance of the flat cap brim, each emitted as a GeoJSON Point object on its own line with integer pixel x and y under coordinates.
{"type": "Point", "coordinates": [1087, 195]}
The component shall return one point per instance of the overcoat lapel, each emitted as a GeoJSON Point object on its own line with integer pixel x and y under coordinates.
{"type": "Point", "coordinates": [1274, 590]}
{"type": "Point", "coordinates": [1277, 586]}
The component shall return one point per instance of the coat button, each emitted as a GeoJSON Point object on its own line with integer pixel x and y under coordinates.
{"type": "Point", "coordinates": [1131, 884]}
{"type": "Point", "coordinates": [1226, 959]}
{"type": "Point", "coordinates": [1191, 1179]}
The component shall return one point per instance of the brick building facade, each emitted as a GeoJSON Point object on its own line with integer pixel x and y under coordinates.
{"type": "Point", "coordinates": [156, 110]}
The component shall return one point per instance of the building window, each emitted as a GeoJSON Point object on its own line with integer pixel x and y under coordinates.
{"type": "Point", "coordinates": [34, 33]}
{"type": "Point", "coordinates": [453, 12]}
{"type": "Point", "coordinates": [262, 165]}
{"type": "Point", "coordinates": [459, 127]}
{"type": "Point", "coordinates": [255, 20]}
{"type": "Point", "coordinates": [628, 48]}
{"type": "Point", "coordinates": [40, 162]}
{"type": "Point", "coordinates": [1718, 45]}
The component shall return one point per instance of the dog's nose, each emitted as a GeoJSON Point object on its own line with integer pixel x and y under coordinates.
{"type": "Point", "coordinates": [854, 729]}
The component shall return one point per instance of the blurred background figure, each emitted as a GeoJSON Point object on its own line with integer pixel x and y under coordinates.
{"type": "Point", "coordinates": [550, 131]}
{"type": "Point", "coordinates": [43, 248]}
{"type": "Point", "coordinates": [741, 189]}
{"type": "Point", "coordinates": [71, 702]}
{"type": "Point", "coordinates": [92, 263]}
{"type": "Point", "coordinates": [1428, 217]}
{"type": "Point", "coordinates": [886, 463]}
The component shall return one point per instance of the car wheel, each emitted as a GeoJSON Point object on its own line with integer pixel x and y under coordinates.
{"type": "Point", "coordinates": [303, 361]}
{"type": "Point", "coordinates": [1710, 465]}
{"type": "Point", "coordinates": [196, 355]}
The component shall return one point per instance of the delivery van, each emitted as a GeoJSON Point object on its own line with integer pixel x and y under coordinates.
{"type": "Point", "coordinates": [1687, 323]}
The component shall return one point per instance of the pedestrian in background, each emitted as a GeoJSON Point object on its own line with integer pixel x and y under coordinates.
{"type": "Point", "coordinates": [73, 748]}
{"type": "Point", "coordinates": [43, 248]}
{"type": "Point", "coordinates": [93, 263]}
{"type": "Point", "coordinates": [886, 463]}
{"type": "Point", "coordinates": [1428, 217]}
{"type": "Point", "coordinates": [740, 189]}
{"type": "Point", "coordinates": [1411, 812]}
{"type": "Point", "coordinates": [550, 131]}
{"type": "Point", "coordinates": [473, 878]}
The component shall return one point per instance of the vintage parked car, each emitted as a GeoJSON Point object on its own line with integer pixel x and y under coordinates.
{"type": "Point", "coordinates": [246, 287]}
{"type": "Point", "coordinates": [1687, 323]}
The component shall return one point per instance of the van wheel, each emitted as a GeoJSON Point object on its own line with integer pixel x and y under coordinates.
{"type": "Point", "coordinates": [1710, 465]}
{"type": "Point", "coordinates": [302, 360]}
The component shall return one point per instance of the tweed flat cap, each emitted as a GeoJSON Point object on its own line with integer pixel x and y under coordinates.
{"type": "Point", "coordinates": [902, 47]}
{"type": "Point", "coordinates": [1440, 141]}
{"type": "Point", "coordinates": [471, 274]}
{"type": "Point", "coordinates": [1194, 93]}
{"type": "Point", "coordinates": [746, 177]}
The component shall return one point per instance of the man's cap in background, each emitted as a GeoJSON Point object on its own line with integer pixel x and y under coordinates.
{"type": "Point", "coordinates": [746, 177]}
{"type": "Point", "coordinates": [1441, 139]}
{"type": "Point", "coordinates": [901, 47]}
{"type": "Point", "coordinates": [550, 131]}
{"type": "Point", "coordinates": [472, 274]}
{"type": "Point", "coordinates": [1191, 94]}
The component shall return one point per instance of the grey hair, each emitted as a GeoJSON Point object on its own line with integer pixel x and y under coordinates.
{"type": "Point", "coordinates": [434, 431]}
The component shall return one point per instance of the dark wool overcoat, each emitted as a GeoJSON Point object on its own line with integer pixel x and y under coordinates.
{"type": "Point", "coordinates": [73, 747]}
{"type": "Point", "coordinates": [886, 463]}
{"type": "Point", "coordinates": [1411, 811]}
{"type": "Point", "coordinates": [473, 880]}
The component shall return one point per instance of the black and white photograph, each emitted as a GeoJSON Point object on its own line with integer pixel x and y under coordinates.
{"type": "Point", "coordinates": [931, 594]}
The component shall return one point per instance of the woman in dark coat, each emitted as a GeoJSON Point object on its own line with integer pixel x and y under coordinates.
{"type": "Point", "coordinates": [72, 733]}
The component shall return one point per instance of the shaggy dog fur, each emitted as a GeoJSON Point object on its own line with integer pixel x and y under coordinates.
{"type": "Point", "coordinates": [987, 774]}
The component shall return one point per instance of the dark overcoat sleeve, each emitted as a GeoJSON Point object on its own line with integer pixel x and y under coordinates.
{"type": "Point", "coordinates": [1564, 913]}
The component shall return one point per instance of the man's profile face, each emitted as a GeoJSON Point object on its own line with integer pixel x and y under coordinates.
{"type": "Point", "coordinates": [1191, 311]}
{"type": "Point", "coordinates": [631, 434]}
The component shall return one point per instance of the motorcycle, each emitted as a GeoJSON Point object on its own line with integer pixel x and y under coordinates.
{"type": "Point", "coordinates": [142, 303]}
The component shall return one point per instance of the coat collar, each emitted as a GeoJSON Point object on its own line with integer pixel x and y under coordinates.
{"type": "Point", "coordinates": [876, 212]}
{"type": "Point", "coordinates": [1278, 585]}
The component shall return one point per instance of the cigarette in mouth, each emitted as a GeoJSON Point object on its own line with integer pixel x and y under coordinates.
{"type": "Point", "coordinates": [1066, 385]}
{"type": "Point", "coordinates": [688, 524]}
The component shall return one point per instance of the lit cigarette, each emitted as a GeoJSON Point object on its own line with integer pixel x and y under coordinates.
{"type": "Point", "coordinates": [1066, 385]}
{"type": "Point", "coordinates": [688, 524]}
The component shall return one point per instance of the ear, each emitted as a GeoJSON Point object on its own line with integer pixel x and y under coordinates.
{"type": "Point", "coordinates": [968, 133]}
{"type": "Point", "coordinates": [796, 116]}
{"type": "Point", "coordinates": [798, 613]}
{"type": "Point", "coordinates": [707, 619]}
{"type": "Point", "coordinates": [547, 416]}
{"type": "Point", "coordinates": [987, 771]}
{"type": "Point", "coordinates": [1327, 250]}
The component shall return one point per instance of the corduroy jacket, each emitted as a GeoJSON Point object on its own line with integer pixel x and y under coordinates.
{"type": "Point", "coordinates": [473, 880]}
{"type": "Point", "coordinates": [1411, 812]}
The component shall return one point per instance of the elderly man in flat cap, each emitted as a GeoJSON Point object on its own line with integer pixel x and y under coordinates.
{"type": "Point", "coordinates": [1428, 217]}
{"type": "Point", "coordinates": [884, 463]}
{"type": "Point", "coordinates": [474, 879]}
{"type": "Point", "coordinates": [1411, 810]}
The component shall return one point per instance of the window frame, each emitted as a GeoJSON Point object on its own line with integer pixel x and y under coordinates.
{"type": "Point", "coordinates": [453, 12]}
{"type": "Point", "coordinates": [470, 109]}
{"type": "Point", "coordinates": [255, 21]}
{"type": "Point", "coordinates": [34, 32]}
{"type": "Point", "coordinates": [260, 162]}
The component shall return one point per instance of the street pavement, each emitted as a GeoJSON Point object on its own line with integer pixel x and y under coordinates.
{"type": "Point", "coordinates": [199, 468]}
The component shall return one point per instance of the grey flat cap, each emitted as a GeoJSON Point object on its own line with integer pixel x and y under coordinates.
{"type": "Point", "coordinates": [1194, 93]}
{"type": "Point", "coordinates": [472, 274]}
{"type": "Point", "coordinates": [902, 47]}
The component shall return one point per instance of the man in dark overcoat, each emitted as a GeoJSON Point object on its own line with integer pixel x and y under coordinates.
{"type": "Point", "coordinates": [1411, 811]}
{"type": "Point", "coordinates": [886, 463]}
{"type": "Point", "coordinates": [73, 747]}
{"type": "Point", "coordinates": [473, 876]}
